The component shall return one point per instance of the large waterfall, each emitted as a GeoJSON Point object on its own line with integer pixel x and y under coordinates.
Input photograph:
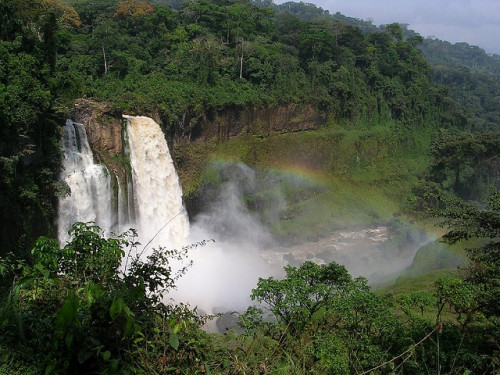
{"type": "Point", "coordinates": [157, 192]}
{"type": "Point", "coordinates": [152, 202]}
{"type": "Point", "coordinates": [149, 198]}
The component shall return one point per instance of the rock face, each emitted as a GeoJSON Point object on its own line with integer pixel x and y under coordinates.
{"type": "Point", "coordinates": [257, 121]}
{"type": "Point", "coordinates": [103, 127]}
{"type": "Point", "coordinates": [104, 132]}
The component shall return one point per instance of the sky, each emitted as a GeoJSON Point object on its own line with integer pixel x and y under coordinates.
{"type": "Point", "coordinates": [476, 22]}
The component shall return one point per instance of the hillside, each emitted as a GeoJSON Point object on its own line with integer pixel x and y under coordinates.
{"type": "Point", "coordinates": [470, 73]}
{"type": "Point", "coordinates": [185, 68]}
{"type": "Point", "coordinates": [320, 138]}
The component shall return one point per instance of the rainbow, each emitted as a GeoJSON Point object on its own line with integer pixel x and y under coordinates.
{"type": "Point", "coordinates": [283, 168]}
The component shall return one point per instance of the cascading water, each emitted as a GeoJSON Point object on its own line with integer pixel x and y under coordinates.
{"type": "Point", "coordinates": [90, 197]}
{"type": "Point", "coordinates": [153, 200]}
{"type": "Point", "coordinates": [122, 206]}
{"type": "Point", "coordinates": [157, 191]}
{"type": "Point", "coordinates": [150, 198]}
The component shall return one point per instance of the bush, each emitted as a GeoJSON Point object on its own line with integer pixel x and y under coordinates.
{"type": "Point", "coordinates": [95, 306]}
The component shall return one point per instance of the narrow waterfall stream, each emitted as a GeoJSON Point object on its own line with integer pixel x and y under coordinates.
{"type": "Point", "coordinates": [91, 196]}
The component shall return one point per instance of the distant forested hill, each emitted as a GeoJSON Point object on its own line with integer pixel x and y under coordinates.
{"type": "Point", "coordinates": [472, 75]}
{"type": "Point", "coordinates": [436, 51]}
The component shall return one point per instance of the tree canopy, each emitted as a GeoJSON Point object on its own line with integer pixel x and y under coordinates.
{"type": "Point", "coordinates": [72, 309]}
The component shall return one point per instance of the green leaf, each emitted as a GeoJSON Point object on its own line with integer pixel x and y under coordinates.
{"type": "Point", "coordinates": [129, 326]}
{"type": "Point", "coordinates": [83, 355]}
{"type": "Point", "coordinates": [50, 368]}
{"type": "Point", "coordinates": [173, 340]}
{"type": "Point", "coordinates": [116, 307]}
{"type": "Point", "coordinates": [69, 339]}
{"type": "Point", "coordinates": [106, 355]}
{"type": "Point", "coordinates": [68, 314]}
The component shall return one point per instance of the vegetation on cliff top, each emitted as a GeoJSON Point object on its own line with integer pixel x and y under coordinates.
{"type": "Point", "coordinates": [184, 65]}
{"type": "Point", "coordinates": [212, 55]}
{"type": "Point", "coordinates": [70, 310]}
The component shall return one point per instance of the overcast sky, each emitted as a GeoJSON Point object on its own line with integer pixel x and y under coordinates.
{"type": "Point", "coordinates": [476, 22]}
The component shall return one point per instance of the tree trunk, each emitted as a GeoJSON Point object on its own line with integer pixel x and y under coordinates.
{"type": "Point", "coordinates": [106, 67]}
{"type": "Point", "coordinates": [241, 66]}
{"type": "Point", "coordinates": [241, 59]}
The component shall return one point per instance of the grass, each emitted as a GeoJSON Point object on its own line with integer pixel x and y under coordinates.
{"type": "Point", "coordinates": [437, 255]}
{"type": "Point", "coordinates": [362, 174]}
{"type": "Point", "coordinates": [406, 284]}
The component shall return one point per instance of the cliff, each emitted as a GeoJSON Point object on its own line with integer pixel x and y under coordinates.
{"type": "Point", "coordinates": [104, 131]}
{"type": "Point", "coordinates": [104, 124]}
{"type": "Point", "coordinates": [263, 122]}
{"type": "Point", "coordinates": [328, 178]}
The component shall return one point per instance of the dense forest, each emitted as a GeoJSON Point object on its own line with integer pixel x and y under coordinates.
{"type": "Point", "coordinates": [468, 70]}
{"type": "Point", "coordinates": [72, 308]}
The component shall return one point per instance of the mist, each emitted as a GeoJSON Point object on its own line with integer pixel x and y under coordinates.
{"type": "Point", "coordinates": [238, 212]}
{"type": "Point", "coordinates": [225, 271]}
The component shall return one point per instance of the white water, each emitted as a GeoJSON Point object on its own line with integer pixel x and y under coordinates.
{"type": "Point", "coordinates": [153, 203]}
{"type": "Point", "coordinates": [157, 192]}
{"type": "Point", "coordinates": [122, 206]}
{"type": "Point", "coordinates": [90, 197]}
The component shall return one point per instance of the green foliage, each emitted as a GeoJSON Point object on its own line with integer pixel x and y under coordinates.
{"type": "Point", "coordinates": [86, 308]}
{"type": "Point", "coordinates": [473, 298]}
{"type": "Point", "coordinates": [466, 163]}
{"type": "Point", "coordinates": [466, 221]}
{"type": "Point", "coordinates": [235, 53]}
{"type": "Point", "coordinates": [305, 291]}
{"type": "Point", "coordinates": [475, 92]}
{"type": "Point", "coordinates": [66, 313]}
{"type": "Point", "coordinates": [421, 300]}
{"type": "Point", "coordinates": [327, 322]}
{"type": "Point", "coordinates": [28, 137]}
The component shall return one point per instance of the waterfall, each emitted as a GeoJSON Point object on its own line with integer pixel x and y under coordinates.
{"type": "Point", "coordinates": [122, 206]}
{"type": "Point", "coordinates": [157, 191]}
{"type": "Point", "coordinates": [152, 202]}
{"type": "Point", "coordinates": [90, 193]}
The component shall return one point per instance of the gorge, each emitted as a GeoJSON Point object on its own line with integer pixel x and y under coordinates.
{"type": "Point", "coordinates": [140, 188]}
